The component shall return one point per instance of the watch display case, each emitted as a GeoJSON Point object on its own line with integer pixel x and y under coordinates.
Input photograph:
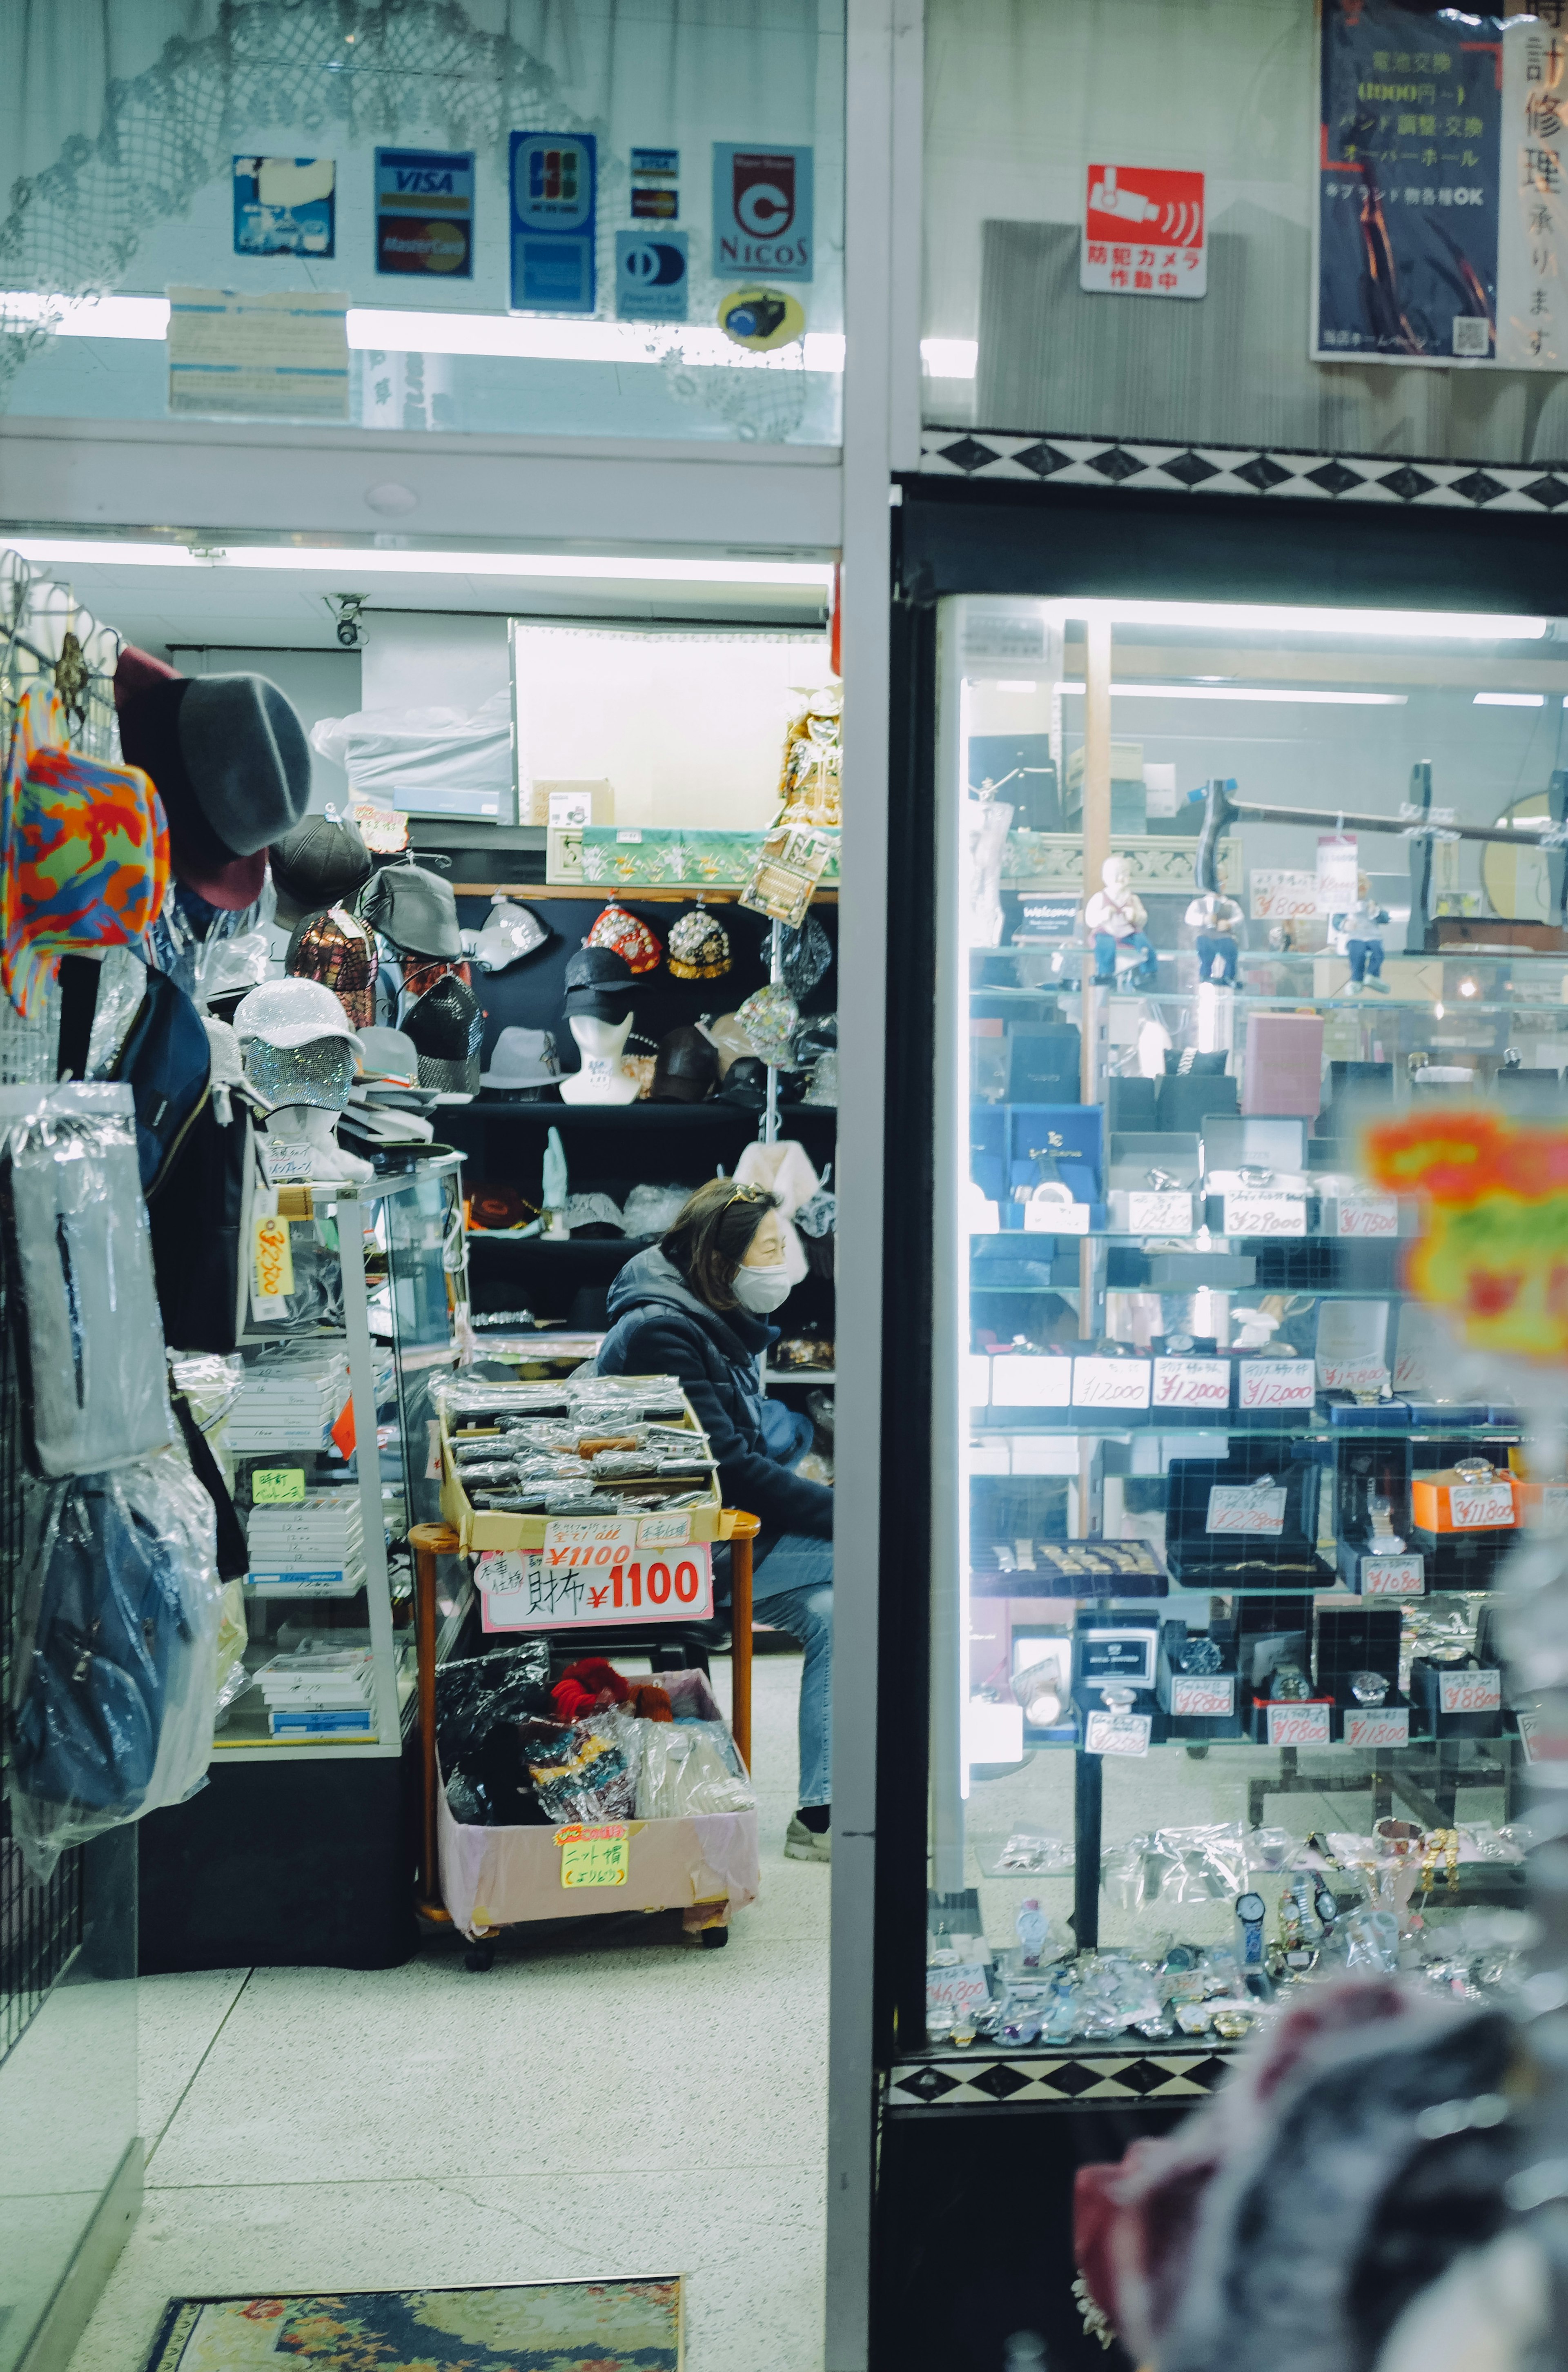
{"type": "Point", "coordinates": [1218, 1512]}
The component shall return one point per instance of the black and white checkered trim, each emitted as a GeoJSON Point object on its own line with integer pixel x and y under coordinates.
{"type": "Point", "coordinates": [968, 2081]}
{"type": "Point", "coordinates": [1142, 468]}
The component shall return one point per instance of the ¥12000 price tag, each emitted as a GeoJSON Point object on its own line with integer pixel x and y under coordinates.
{"type": "Point", "coordinates": [594, 1856]}
{"type": "Point", "coordinates": [1106, 1732]}
{"type": "Point", "coordinates": [276, 1486]}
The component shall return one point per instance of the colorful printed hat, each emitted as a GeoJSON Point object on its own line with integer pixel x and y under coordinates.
{"type": "Point", "coordinates": [617, 929]}
{"type": "Point", "coordinates": [84, 851]}
{"type": "Point", "coordinates": [341, 954]}
{"type": "Point", "coordinates": [699, 946]}
{"type": "Point", "coordinates": [770, 1019]}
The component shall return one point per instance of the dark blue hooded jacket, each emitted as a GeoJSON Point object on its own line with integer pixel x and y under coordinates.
{"type": "Point", "coordinates": [658, 1327]}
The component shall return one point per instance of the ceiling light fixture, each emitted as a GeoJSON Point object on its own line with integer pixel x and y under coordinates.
{"type": "Point", "coordinates": [1249, 692]}
{"type": "Point", "coordinates": [370, 560]}
{"type": "Point", "coordinates": [1281, 617]}
{"type": "Point", "coordinates": [1510, 700]}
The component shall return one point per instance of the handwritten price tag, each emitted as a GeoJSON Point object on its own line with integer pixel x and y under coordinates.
{"type": "Point", "coordinates": [1367, 1215]}
{"type": "Point", "coordinates": [1369, 1731]}
{"type": "Point", "coordinates": [1234, 1509]}
{"type": "Point", "coordinates": [1276, 1383]}
{"type": "Point", "coordinates": [1469, 1692]}
{"type": "Point", "coordinates": [523, 1591]}
{"type": "Point", "coordinates": [1264, 1214]}
{"type": "Point", "coordinates": [596, 1857]}
{"type": "Point", "coordinates": [1210, 1695]}
{"type": "Point", "coordinates": [1351, 1375]}
{"type": "Point", "coordinates": [1299, 1725]}
{"type": "Point", "coordinates": [1111, 1383]}
{"type": "Point", "coordinates": [1106, 1732]}
{"type": "Point", "coordinates": [589, 1540]}
{"type": "Point", "coordinates": [665, 1531]}
{"type": "Point", "coordinates": [1159, 1214]}
{"type": "Point", "coordinates": [1478, 1507]}
{"type": "Point", "coordinates": [272, 1266]}
{"type": "Point", "coordinates": [1193, 1383]}
{"type": "Point", "coordinates": [960, 1988]}
{"type": "Point", "coordinates": [1393, 1577]}
{"type": "Point", "coordinates": [277, 1486]}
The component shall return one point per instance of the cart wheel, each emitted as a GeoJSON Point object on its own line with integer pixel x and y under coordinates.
{"type": "Point", "coordinates": [1197, 1754]}
{"type": "Point", "coordinates": [714, 1938]}
{"type": "Point", "coordinates": [479, 1957]}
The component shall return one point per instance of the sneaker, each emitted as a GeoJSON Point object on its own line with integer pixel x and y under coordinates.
{"type": "Point", "coordinates": [1380, 985]}
{"type": "Point", "coordinates": [802, 1843]}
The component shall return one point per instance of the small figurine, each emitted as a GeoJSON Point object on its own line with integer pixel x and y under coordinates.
{"type": "Point", "coordinates": [1215, 919]}
{"type": "Point", "coordinates": [1116, 915]}
{"type": "Point", "coordinates": [1359, 932]}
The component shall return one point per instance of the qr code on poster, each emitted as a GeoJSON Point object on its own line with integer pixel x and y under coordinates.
{"type": "Point", "coordinates": [1472, 334]}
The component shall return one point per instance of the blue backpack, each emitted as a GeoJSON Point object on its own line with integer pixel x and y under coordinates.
{"type": "Point", "coordinates": [166, 1063]}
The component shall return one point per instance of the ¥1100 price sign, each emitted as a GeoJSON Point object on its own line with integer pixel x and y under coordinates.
{"type": "Point", "coordinates": [548, 1590]}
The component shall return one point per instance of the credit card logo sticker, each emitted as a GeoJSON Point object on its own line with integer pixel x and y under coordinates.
{"type": "Point", "coordinates": [763, 211]}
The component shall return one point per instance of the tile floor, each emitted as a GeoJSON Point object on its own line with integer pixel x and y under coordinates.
{"type": "Point", "coordinates": [624, 2103]}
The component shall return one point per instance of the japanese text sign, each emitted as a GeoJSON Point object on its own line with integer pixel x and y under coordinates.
{"type": "Point", "coordinates": [1144, 232]}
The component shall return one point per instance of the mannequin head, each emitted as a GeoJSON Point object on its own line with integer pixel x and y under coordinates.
{"type": "Point", "coordinates": [603, 1077]}
{"type": "Point", "coordinates": [600, 1042]}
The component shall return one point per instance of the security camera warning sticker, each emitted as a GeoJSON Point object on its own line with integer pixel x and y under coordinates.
{"type": "Point", "coordinates": [762, 317]}
{"type": "Point", "coordinates": [1144, 232]}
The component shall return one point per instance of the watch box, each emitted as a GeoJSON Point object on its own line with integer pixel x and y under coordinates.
{"type": "Point", "coordinates": [1368, 1562]}
{"type": "Point", "coordinates": [1138, 1206]}
{"type": "Point", "coordinates": [1044, 1066]}
{"type": "Point", "coordinates": [1456, 1700]}
{"type": "Point", "coordinates": [1366, 1638]}
{"type": "Point", "coordinates": [1284, 1064]}
{"type": "Point", "coordinates": [1246, 1522]}
{"type": "Point", "coordinates": [1184, 1103]}
{"type": "Point", "coordinates": [1198, 1704]}
{"type": "Point", "coordinates": [1130, 1104]}
{"type": "Point", "coordinates": [1446, 1501]}
{"type": "Point", "coordinates": [1120, 1649]}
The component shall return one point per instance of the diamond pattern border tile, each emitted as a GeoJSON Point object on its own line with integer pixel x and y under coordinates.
{"type": "Point", "coordinates": [1056, 2082]}
{"type": "Point", "coordinates": [1110, 463]}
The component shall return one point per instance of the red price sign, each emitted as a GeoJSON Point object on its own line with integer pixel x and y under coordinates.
{"type": "Point", "coordinates": [1299, 1725]}
{"type": "Point", "coordinates": [1207, 1696]}
{"type": "Point", "coordinates": [1469, 1692]}
{"type": "Point", "coordinates": [1393, 1577]}
{"type": "Point", "coordinates": [1369, 1731]}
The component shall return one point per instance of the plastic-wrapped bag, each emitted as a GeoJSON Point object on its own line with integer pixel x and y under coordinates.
{"type": "Point", "coordinates": [80, 1256]}
{"type": "Point", "coordinates": [1198, 1865]}
{"type": "Point", "coordinates": [457, 763]}
{"type": "Point", "coordinates": [479, 1701]}
{"type": "Point", "coordinates": [593, 1774]}
{"type": "Point", "coordinates": [688, 1767]}
{"type": "Point", "coordinates": [118, 1655]}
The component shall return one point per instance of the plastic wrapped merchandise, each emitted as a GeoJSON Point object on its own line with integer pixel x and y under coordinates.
{"type": "Point", "coordinates": [80, 1259]}
{"type": "Point", "coordinates": [117, 1656]}
{"type": "Point", "coordinates": [687, 1767]}
{"type": "Point", "coordinates": [479, 1701]}
{"type": "Point", "coordinates": [593, 1775]}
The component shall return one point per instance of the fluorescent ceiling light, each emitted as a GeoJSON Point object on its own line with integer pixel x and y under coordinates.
{"type": "Point", "coordinates": [1510, 700]}
{"type": "Point", "coordinates": [1249, 692]}
{"type": "Point", "coordinates": [1253, 617]}
{"type": "Point", "coordinates": [949, 358]}
{"type": "Point", "coordinates": [396, 330]}
{"type": "Point", "coordinates": [348, 562]}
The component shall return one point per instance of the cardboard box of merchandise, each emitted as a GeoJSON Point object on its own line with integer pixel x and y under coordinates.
{"type": "Point", "coordinates": [573, 802]}
{"type": "Point", "coordinates": [485, 1528]}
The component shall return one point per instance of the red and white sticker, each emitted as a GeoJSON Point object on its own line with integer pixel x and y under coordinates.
{"type": "Point", "coordinates": [1367, 1215]}
{"type": "Point", "coordinates": [1276, 1383]}
{"type": "Point", "coordinates": [1481, 1507]}
{"type": "Point", "coordinates": [1233, 1508]}
{"type": "Point", "coordinates": [1193, 1383]}
{"type": "Point", "coordinates": [1107, 1732]}
{"type": "Point", "coordinates": [1351, 1375]}
{"type": "Point", "coordinates": [1372, 1727]}
{"type": "Point", "coordinates": [1111, 1383]}
{"type": "Point", "coordinates": [1144, 232]}
{"type": "Point", "coordinates": [525, 1592]}
{"type": "Point", "coordinates": [1393, 1577]}
{"type": "Point", "coordinates": [1264, 1214]}
{"type": "Point", "coordinates": [1196, 1696]}
{"type": "Point", "coordinates": [1299, 1725]}
{"type": "Point", "coordinates": [1469, 1692]}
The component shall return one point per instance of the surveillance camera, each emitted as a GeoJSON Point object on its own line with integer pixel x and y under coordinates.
{"type": "Point", "coordinates": [348, 634]}
{"type": "Point", "coordinates": [346, 607]}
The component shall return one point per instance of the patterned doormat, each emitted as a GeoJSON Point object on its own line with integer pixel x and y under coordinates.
{"type": "Point", "coordinates": [533, 2326]}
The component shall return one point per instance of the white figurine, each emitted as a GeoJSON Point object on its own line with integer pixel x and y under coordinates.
{"type": "Point", "coordinates": [1215, 919]}
{"type": "Point", "coordinates": [603, 1078]}
{"type": "Point", "coordinates": [1116, 915]}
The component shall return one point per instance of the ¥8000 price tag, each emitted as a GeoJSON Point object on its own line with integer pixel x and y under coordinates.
{"type": "Point", "coordinates": [594, 1856]}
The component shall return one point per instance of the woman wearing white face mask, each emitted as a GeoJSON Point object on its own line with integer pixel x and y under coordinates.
{"type": "Point", "coordinates": [697, 1306]}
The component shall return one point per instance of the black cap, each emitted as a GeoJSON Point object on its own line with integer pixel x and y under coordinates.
{"type": "Point", "coordinates": [598, 983]}
{"type": "Point", "coordinates": [746, 1083]}
{"type": "Point", "coordinates": [322, 862]}
{"type": "Point", "coordinates": [687, 1069]}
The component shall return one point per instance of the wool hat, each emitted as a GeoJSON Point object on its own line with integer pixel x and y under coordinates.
{"type": "Point", "coordinates": [686, 1070]}
{"type": "Point", "coordinates": [441, 1026]}
{"type": "Point", "coordinates": [699, 946]}
{"type": "Point", "coordinates": [230, 761]}
{"type": "Point", "coordinates": [415, 909]}
{"type": "Point", "coordinates": [322, 862]}
{"type": "Point", "coordinates": [522, 1058]}
{"type": "Point", "coordinates": [614, 927]}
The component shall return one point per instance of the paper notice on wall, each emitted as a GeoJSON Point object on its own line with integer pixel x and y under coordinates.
{"type": "Point", "coordinates": [281, 353]}
{"type": "Point", "coordinates": [1336, 873]}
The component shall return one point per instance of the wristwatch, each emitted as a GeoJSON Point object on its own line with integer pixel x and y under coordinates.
{"type": "Point", "coordinates": [1368, 1688]}
{"type": "Point", "coordinates": [1289, 1684]}
{"type": "Point", "coordinates": [1200, 1654]}
{"type": "Point", "coordinates": [1250, 1912]}
{"type": "Point", "coordinates": [1474, 1470]}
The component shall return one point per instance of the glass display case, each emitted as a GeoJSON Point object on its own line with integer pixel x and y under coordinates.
{"type": "Point", "coordinates": [332, 1441]}
{"type": "Point", "coordinates": [1218, 1510]}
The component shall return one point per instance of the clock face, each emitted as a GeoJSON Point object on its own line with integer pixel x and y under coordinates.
{"type": "Point", "coordinates": [1249, 1907]}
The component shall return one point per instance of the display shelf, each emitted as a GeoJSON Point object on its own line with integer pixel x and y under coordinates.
{"type": "Point", "coordinates": [629, 1118]}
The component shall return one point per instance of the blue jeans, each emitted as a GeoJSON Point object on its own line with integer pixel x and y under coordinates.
{"type": "Point", "coordinates": [793, 1591]}
{"type": "Point", "coordinates": [1218, 943]}
{"type": "Point", "coordinates": [1365, 956]}
{"type": "Point", "coordinates": [1107, 948]}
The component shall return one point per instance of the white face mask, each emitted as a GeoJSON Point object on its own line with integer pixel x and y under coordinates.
{"type": "Point", "coordinates": [761, 1290]}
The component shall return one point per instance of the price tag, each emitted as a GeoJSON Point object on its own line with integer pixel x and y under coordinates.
{"type": "Point", "coordinates": [964, 1987]}
{"type": "Point", "coordinates": [1469, 1692]}
{"type": "Point", "coordinates": [1233, 1508]}
{"type": "Point", "coordinates": [1264, 1214]}
{"type": "Point", "coordinates": [1351, 1375]}
{"type": "Point", "coordinates": [523, 1591]}
{"type": "Point", "coordinates": [1056, 1218]}
{"type": "Point", "coordinates": [1529, 1736]}
{"type": "Point", "coordinates": [1372, 1727]}
{"type": "Point", "coordinates": [1193, 1383]}
{"type": "Point", "coordinates": [1159, 1214]}
{"type": "Point", "coordinates": [276, 1486]}
{"type": "Point", "coordinates": [665, 1531]}
{"type": "Point", "coordinates": [1275, 1383]}
{"type": "Point", "coordinates": [1299, 1725]}
{"type": "Point", "coordinates": [587, 1541]}
{"type": "Point", "coordinates": [1018, 1381]}
{"type": "Point", "coordinates": [1106, 1732]}
{"type": "Point", "coordinates": [1393, 1577]}
{"type": "Point", "coordinates": [1202, 1696]}
{"type": "Point", "coordinates": [272, 1266]}
{"type": "Point", "coordinates": [594, 1856]}
{"type": "Point", "coordinates": [1480, 1506]}
{"type": "Point", "coordinates": [1367, 1215]}
{"type": "Point", "coordinates": [1111, 1383]}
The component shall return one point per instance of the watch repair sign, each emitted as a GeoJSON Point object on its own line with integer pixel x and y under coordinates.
{"type": "Point", "coordinates": [1144, 232]}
